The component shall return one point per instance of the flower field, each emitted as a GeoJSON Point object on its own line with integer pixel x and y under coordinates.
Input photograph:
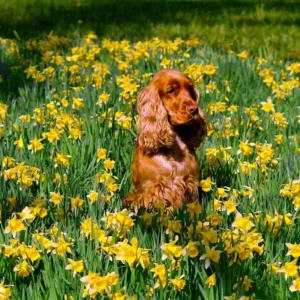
{"type": "Point", "coordinates": [67, 137]}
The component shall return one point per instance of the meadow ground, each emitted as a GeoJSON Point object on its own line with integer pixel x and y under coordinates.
{"type": "Point", "coordinates": [69, 77]}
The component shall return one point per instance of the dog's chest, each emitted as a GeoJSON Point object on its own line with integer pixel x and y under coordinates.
{"type": "Point", "coordinates": [179, 162]}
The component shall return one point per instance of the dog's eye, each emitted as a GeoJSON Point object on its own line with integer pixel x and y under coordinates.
{"type": "Point", "coordinates": [171, 90]}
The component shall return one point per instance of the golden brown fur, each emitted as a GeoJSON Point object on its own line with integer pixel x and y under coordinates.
{"type": "Point", "coordinates": [172, 125]}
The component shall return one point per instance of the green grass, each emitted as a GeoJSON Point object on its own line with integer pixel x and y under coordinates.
{"type": "Point", "coordinates": [102, 127]}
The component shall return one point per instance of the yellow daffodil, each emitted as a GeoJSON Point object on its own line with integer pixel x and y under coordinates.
{"type": "Point", "coordinates": [77, 202]}
{"type": "Point", "coordinates": [131, 253]}
{"type": "Point", "coordinates": [178, 283]}
{"type": "Point", "coordinates": [295, 287]}
{"type": "Point", "coordinates": [193, 249]}
{"type": "Point", "coordinates": [5, 292]}
{"type": "Point", "coordinates": [56, 198]}
{"type": "Point", "coordinates": [14, 226]}
{"type": "Point", "coordinates": [246, 148]}
{"type": "Point", "coordinates": [290, 269]}
{"type": "Point", "coordinates": [23, 269]}
{"type": "Point", "coordinates": [211, 280]}
{"type": "Point", "coordinates": [242, 223]}
{"type": "Point", "coordinates": [26, 215]}
{"type": "Point", "coordinates": [101, 154]}
{"type": "Point", "coordinates": [206, 184]}
{"type": "Point", "coordinates": [194, 209]}
{"type": "Point", "coordinates": [171, 251]}
{"type": "Point", "coordinates": [268, 106]}
{"type": "Point", "coordinates": [210, 255]}
{"type": "Point", "coordinates": [120, 222]}
{"type": "Point", "coordinates": [62, 160]}
{"type": "Point", "coordinates": [294, 250]}
{"type": "Point", "coordinates": [35, 145]}
{"type": "Point", "coordinates": [147, 218]}
{"type": "Point", "coordinates": [160, 271]}
{"type": "Point", "coordinates": [76, 266]}
{"type": "Point", "coordinates": [243, 54]}
{"type": "Point", "coordinates": [109, 164]}
{"type": "Point", "coordinates": [93, 196]}
{"type": "Point", "coordinates": [19, 143]}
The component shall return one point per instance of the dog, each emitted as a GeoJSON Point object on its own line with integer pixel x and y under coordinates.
{"type": "Point", "coordinates": [165, 167]}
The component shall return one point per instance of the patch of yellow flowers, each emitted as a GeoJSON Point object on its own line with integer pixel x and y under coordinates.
{"type": "Point", "coordinates": [75, 73]}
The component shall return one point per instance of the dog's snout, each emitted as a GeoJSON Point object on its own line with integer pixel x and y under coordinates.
{"type": "Point", "coordinates": [193, 109]}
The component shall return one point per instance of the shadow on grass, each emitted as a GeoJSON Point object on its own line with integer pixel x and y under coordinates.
{"type": "Point", "coordinates": [135, 19]}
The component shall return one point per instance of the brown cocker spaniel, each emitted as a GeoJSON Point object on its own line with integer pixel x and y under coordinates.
{"type": "Point", "coordinates": [165, 167]}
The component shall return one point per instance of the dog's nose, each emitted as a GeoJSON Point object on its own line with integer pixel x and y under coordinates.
{"type": "Point", "coordinates": [193, 109]}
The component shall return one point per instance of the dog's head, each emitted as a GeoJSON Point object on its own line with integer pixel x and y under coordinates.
{"type": "Point", "coordinates": [168, 103]}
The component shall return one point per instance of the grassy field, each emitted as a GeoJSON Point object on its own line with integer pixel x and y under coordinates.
{"type": "Point", "coordinates": [68, 124]}
{"type": "Point", "coordinates": [270, 28]}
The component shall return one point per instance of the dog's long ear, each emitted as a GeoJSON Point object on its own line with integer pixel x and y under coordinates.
{"type": "Point", "coordinates": [195, 94]}
{"type": "Point", "coordinates": [155, 129]}
{"type": "Point", "coordinates": [200, 130]}
{"type": "Point", "coordinates": [195, 135]}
